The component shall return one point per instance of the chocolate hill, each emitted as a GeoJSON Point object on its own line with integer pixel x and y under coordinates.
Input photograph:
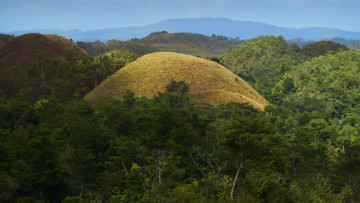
{"type": "Point", "coordinates": [208, 81]}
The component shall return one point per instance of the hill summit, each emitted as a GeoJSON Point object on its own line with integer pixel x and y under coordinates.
{"type": "Point", "coordinates": [27, 48]}
{"type": "Point", "coordinates": [208, 81]}
{"type": "Point", "coordinates": [37, 66]}
{"type": "Point", "coordinates": [185, 43]}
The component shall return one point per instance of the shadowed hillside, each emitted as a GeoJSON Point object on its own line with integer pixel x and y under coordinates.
{"type": "Point", "coordinates": [208, 81]}
{"type": "Point", "coordinates": [37, 66]}
{"type": "Point", "coordinates": [25, 49]}
{"type": "Point", "coordinates": [322, 47]}
{"type": "Point", "coordinates": [5, 39]}
{"type": "Point", "coordinates": [190, 43]}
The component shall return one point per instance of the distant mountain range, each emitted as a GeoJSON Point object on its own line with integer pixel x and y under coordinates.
{"type": "Point", "coordinates": [205, 26]}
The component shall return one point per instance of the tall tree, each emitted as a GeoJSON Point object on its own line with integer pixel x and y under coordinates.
{"type": "Point", "coordinates": [248, 138]}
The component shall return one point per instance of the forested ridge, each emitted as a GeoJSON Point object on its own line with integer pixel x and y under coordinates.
{"type": "Point", "coordinates": [304, 147]}
{"type": "Point", "coordinates": [187, 43]}
{"type": "Point", "coordinates": [38, 66]}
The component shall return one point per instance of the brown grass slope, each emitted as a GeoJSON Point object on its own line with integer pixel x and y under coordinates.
{"type": "Point", "coordinates": [25, 49]}
{"type": "Point", "coordinates": [208, 81]}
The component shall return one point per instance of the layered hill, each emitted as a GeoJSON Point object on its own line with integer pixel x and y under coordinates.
{"type": "Point", "coordinates": [347, 42]}
{"type": "Point", "coordinates": [208, 81]}
{"type": "Point", "coordinates": [25, 49]}
{"type": "Point", "coordinates": [190, 43]}
{"type": "Point", "coordinates": [328, 83]}
{"type": "Point", "coordinates": [186, 43]}
{"type": "Point", "coordinates": [322, 47]}
{"type": "Point", "coordinates": [37, 66]}
{"type": "Point", "coordinates": [262, 61]}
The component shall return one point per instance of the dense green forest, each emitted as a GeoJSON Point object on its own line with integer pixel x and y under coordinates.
{"type": "Point", "coordinates": [167, 149]}
{"type": "Point", "coordinates": [322, 47]}
{"type": "Point", "coordinates": [304, 147]}
{"type": "Point", "coordinates": [187, 43]}
{"type": "Point", "coordinates": [262, 61]}
{"type": "Point", "coordinates": [64, 78]}
{"type": "Point", "coordinates": [346, 42]}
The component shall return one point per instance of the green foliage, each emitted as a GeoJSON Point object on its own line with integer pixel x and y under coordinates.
{"type": "Point", "coordinates": [64, 78]}
{"type": "Point", "coordinates": [348, 160]}
{"type": "Point", "coordinates": [154, 150]}
{"type": "Point", "coordinates": [187, 43]}
{"type": "Point", "coordinates": [315, 188]}
{"type": "Point", "coordinates": [322, 47]}
{"type": "Point", "coordinates": [74, 200]}
{"type": "Point", "coordinates": [262, 61]}
{"type": "Point", "coordinates": [93, 48]}
{"type": "Point", "coordinates": [44, 150]}
{"type": "Point", "coordinates": [167, 149]}
{"type": "Point", "coordinates": [246, 137]}
{"type": "Point", "coordinates": [158, 33]}
{"type": "Point", "coordinates": [178, 87]}
{"type": "Point", "coordinates": [266, 185]}
{"type": "Point", "coordinates": [330, 81]}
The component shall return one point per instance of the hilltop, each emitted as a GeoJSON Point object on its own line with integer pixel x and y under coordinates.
{"type": "Point", "coordinates": [186, 43]}
{"type": "Point", "coordinates": [190, 43]}
{"type": "Point", "coordinates": [347, 42]}
{"type": "Point", "coordinates": [38, 66]}
{"type": "Point", "coordinates": [262, 61]}
{"type": "Point", "coordinates": [208, 81]}
{"type": "Point", "coordinates": [322, 47]}
{"type": "Point", "coordinates": [26, 49]}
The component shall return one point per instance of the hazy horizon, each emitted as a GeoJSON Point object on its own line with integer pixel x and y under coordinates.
{"type": "Point", "coordinates": [95, 14]}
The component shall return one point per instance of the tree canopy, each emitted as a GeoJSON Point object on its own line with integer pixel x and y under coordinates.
{"type": "Point", "coordinates": [304, 147]}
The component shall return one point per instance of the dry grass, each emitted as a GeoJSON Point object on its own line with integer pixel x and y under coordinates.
{"type": "Point", "coordinates": [209, 82]}
{"type": "Point", "coordinates": [27, 48]}
{"type": "Point", "coordinates": [217, 97]}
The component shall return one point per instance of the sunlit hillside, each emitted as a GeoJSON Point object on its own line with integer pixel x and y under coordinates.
{"type": "Point", "coordinates": [208, 81]}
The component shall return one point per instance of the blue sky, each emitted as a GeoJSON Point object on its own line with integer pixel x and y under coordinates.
{"type": "Point", "coordinates": [97, 14]}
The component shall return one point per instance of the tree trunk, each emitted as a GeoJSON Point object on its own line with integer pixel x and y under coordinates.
{"type": "Point", "coordinates": [293, 164]}
{"type": "Point", "coordinates": [235, 179]}
{"type": "Point", "coordinates": [41, 192]}
{"type": "Point", "coordinates": [159, 170]}
{"type": "Point", "coordinates": [81, 190]}
{"type": "Point", "coordinates": [122, 161]}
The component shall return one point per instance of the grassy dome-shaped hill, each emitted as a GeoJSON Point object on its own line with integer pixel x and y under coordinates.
{"type": "Point", "coordinates": [208, 81]}
{"type": "Point", "coordinates": [37, 66]}
{"type": "Point", "coordinates": [26, 49]}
